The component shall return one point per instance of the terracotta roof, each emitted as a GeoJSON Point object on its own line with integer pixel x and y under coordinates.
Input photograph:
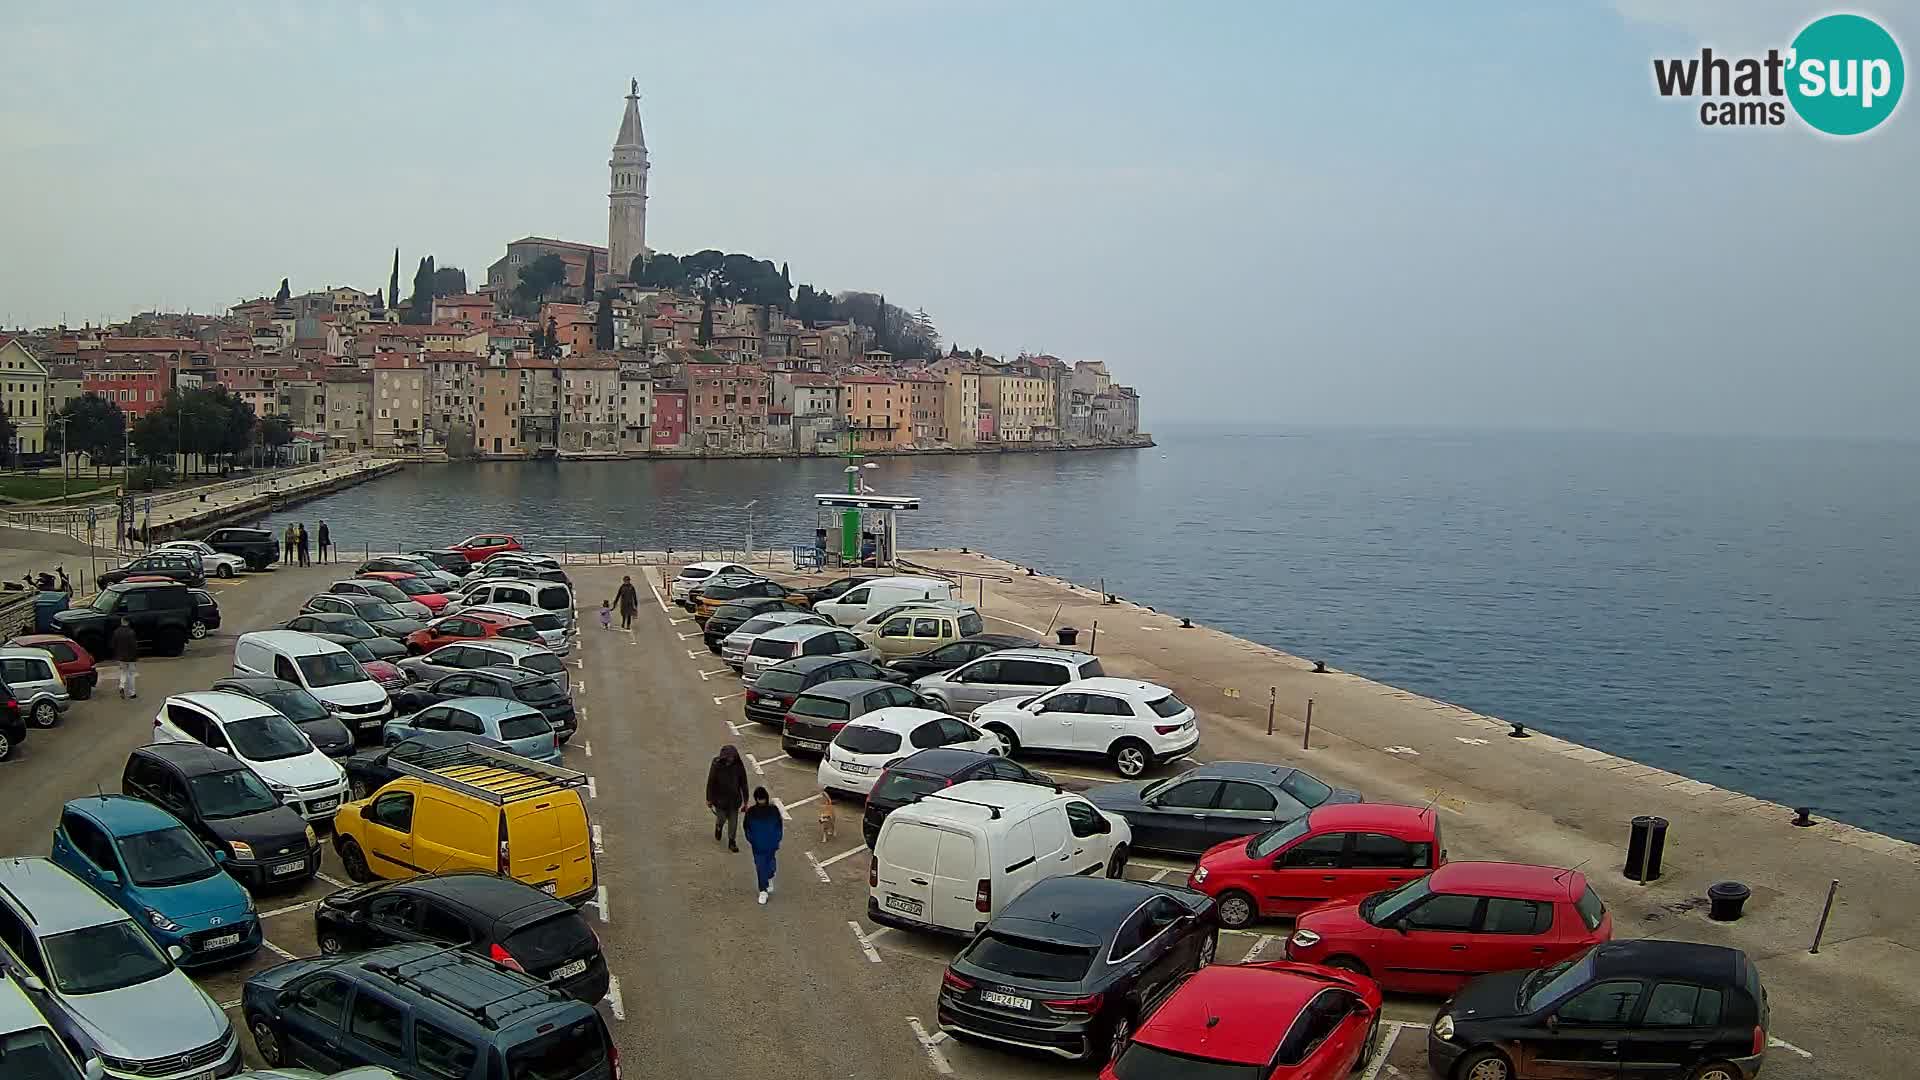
{"type": "Point", "coordinates": [395, 362]}
{"type": "Point", "coordinates": [869, 379]}
{"type": "Point", "coordinates": [134, 344]}
{"type": "Point", "coordinates": [808, 378]}
{"type": "Point", "coordinates": [590, 362]}
{"type": "Point", "coordinates": [566, 244]}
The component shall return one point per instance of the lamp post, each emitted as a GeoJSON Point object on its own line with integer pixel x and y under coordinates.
{"type": "Point", "coordinates": [749, 509]}
{"type": "Point", "coordinates": [64, 485]}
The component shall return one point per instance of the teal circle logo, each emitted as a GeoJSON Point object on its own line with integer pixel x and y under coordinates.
{"type": "Point", "coordinates": [1846, 75]}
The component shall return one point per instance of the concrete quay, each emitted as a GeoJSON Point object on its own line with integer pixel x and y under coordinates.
{"type": "Point", "coordinates": [1851, 1010]}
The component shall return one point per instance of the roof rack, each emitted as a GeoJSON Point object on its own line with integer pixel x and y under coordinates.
{"type": "Point", "coordinates": [529, 779]}
{"type": "Point", "coordinates": [398, 974]}
{"type": "Point", "coordinates": [993, 811]}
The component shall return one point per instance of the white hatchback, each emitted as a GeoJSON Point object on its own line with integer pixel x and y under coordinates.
{"type": "Point", "coordinates": [692, 574]}
{"type": "Point", "coordinates": [260, 738]}
{"type": "Point", "coordinates": [784, 643]}
{"type": "Point", "coordinates": [865, 747]}
{"type": "Point", "coordinates": [1132, 724]}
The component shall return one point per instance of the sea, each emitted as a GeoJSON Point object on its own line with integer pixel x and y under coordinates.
{"type": "Point", "coordinates": [1744, 611]}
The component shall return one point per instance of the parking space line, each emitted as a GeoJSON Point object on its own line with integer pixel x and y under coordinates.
{"type": "Point", "coordinates": [277, 950]}
{"type": "Point", "coordinates": [289, 909]}
{"type": "Point", "coordinates": [1160, 875]}
{"type": "Point", "coordinates": [1084, 776]}
{"type": "Point", "coordinates": [760, 766]}
{"type": "Point", "coordinates": [587, 745]}
{"type": "Point", "coordinates": [818, 870]}
{"type": "Point", "coordinates": [593, 792]}
{"type": "Point", "coordinates": [1031, 630]}
{"type": "Point", "coordinates": [331, 881]}
{"type": "Point", "coordinates": [686, 637]}
{"type": "Point", "coordinates": [1381, 1054]}
{"type": "Point", "coordinates": [782, 807]}
{"type": "Point", "coordinates": [805, 801]}
{"type": "Point", "coordinates": [229, 1006]}
{"type": "Point", "coordinates": [599, 902]}
{"type": "Point", "coordinates": [615, 1002]}
{"type": "Point", "coordinates": [750, 727]}
{"type": "Point", "coordinates": [724, 698]}
{"type": "Point", "coordinates": [842, 855]}
{"type": "Point", "coordinates": [866, 945]}
{"type": "Point", "coordinates": [1785, 1045]}
{"type": "Point", "coordinates": [705, 675]}
{"type": "Point", "coordinates": [580, 686]}
{"type": "Point", "coordinates": [1134, 860]}
{"type": "Point", "coordinates": [691, 655]}
{"type": "Point", "coordinates": [598, 847]}
{"type": "Point", "coordinates": [1259, 947]}
{"type": "Point", "coordinates": [931, 1043]}
{"type": "Point", "coordinates": [656, 596]}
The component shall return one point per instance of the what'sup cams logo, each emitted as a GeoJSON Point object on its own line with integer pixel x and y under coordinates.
{"type": "Point", "coordinates": [1842, 75]}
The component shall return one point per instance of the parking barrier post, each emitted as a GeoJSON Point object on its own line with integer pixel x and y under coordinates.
{"type": "Point", "coordinates": [1821, 930]}
{"type": "Point", "coordinates": [1273, 694]}
{"type": "Point", "coordinates": [1306, 736]}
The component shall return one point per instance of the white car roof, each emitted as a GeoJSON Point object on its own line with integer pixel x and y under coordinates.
{"type": "Point", "coordinates": [981, 798]}
{"type": "Point", "coordinates": [292, 642]}
{"type": "Point", "coordinates": [518, 611]}
{"type": "Point", "coordinates": [799, 632]}
{"type": "Point", "coordinates": [1132, 688]}
{"type": "Point", "coordinates": [1070, 656]}
{"type": "Point", "coordinates": [510, 646]}
{"type": "Point", "coordinates": [899, 719]}
{"type": "Point", "coordinates": [905, 581]}
{"type": "Point", "coordinates": [789, 618]}
{"type": "Point", "coordinates": [709, 567]}
{"type": "Point", "coordinates": [227, 707]}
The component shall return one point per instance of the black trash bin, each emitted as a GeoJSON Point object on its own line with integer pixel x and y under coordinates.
{"type": "Point", "coordinates": [1725, 899]}
{"type": "Point", "coordinates": [1068, 634]}
{"type": "Point", "coordinates": [1646, 843]}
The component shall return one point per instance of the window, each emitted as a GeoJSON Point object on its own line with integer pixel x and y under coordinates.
{"type": "Point", "coordinates": [954, 731]}
{"type": "Point", "coordinates": [1592, 910]}
{"type": "Point", "coordinates": [1309, 791]}
{"type": "Point", "coordinates": [461, 720]}
{"type": "Point", "coordinates": [1065, 703]}
{"type": "Point", "coordinates": [1681, 1005]}
{"type": "Point", "coordinates": [1376, 852]}
{"type": "Point", "coordinates": [394, 810]}
{"type": "Point", "coordinates": [926, 628]}
{"type": "Point", "coordinates": [1033, 673]}
{"type": "Point", "coordinates": [1102, 705]}
{"type": "Point", "coordinates": [441, 1054]}
{"type": "Point", "coordinates": [1191, 795]}
{"type": "Point", "coordinates": [190, 723]}
{"type": "Point", "coordinates": [1316, 851]}
{"type": "Point", "coordinates": [440, 924]}
{"type": "Point", "coordinates": [1083, 819]}
{"type": "Point", "coordinates": [1445, 911]}
{"type": "Point", "coordinates": [1607, 1003]}
{"type": "Point", "coordinates": [323, 998]}
{"type": "Point", "coordinates": [377, 1023]}
{"type": "Point", "coordinates": [1246, 798]}
{"type": "Point", "coordinates": [90, 841]}
{"type": "Point", "coordinates": [1509, 916]}
{"type": "Point", "coordinates": [926, 735]}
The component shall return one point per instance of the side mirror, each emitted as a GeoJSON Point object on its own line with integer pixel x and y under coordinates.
{"type": "Point", "coordinates": [33, 983]}
{"type": "Point", "coordinates": [176, 953]}
{"type": "Point", "coordinates": [219, 855]}
{"type": "Point", "coordinates": [95, 1070]}
{"type": "Point", "coordinates": [1104, 825]}
{"type": "Point", "coordinates": [108, 877]}
{"type": "Point", "coordinates": [1400, 927]}
{"type": "Point", "coordinates": [358, 917]}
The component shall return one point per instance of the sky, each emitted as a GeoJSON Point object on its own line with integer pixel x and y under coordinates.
{"type": "Point", "coordinates": [1396, 214]}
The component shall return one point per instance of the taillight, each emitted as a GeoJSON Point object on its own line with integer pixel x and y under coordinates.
{"type": "Point", "coordinates": [1089, 1004]}
{"type": "Point", "coordinates": [877, 781]}
{"type": "Point", "coordinates": [1759, 1040]}
{"type": "Point", "coordinates": [983, 896]}
{"type": "Point", "coordinates": [873, 871]}
{"type": "Point", "coordinates": [752, 695]}
{"type": "Point", "coordinates": [956, 983]}
{"type": "Point", "coordinates": [504, 958]}
{"type": "Point", "coordinates": [1167, 729]}
{"type": "Point", "coordinates": [835, 728]}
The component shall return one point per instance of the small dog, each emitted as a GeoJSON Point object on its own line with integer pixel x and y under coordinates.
{"type": "Point", "coordinates": [827, 823]}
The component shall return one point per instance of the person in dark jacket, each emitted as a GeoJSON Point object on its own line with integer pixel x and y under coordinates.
{"type": "Point", "coordinates": [627, 600]}
{"type": "Point", "coordinates": [764, 832]}
{"type": "Point", "coordinates": [300, 541]}
{"type": "Point", "coordinates": [289, 546]}
{"type": "Point", "coordinates": [727, 794]}
{"type": "Point", "coordinates": [326, 543]}
{"type": "Point", "coordinates": [126, 648]}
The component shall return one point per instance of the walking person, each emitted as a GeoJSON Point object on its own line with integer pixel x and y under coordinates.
{"type": "Point", "coordinates": [288, 559]}
{"type": "Point", "coordinates": [764, 833]}
{"type": "Point", "coordinates": [727, 794]}
{"type": "Point", "coordinates": [126, 649]}
{"type": "Point", "coordinates": [326, 543]}
{"type": "Point", "coordinates": [606, 615]}
{"type": "Point", "coordinates": [627, 600]}
{"type": "Point", "coordinates": [306, 552]}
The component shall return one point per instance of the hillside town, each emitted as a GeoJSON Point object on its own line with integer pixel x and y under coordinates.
{"type": "Point", "coordinates": [575, 350]}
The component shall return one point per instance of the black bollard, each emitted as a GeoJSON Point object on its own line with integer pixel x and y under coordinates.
{"type": "Point", "coordinates": [1725, 899]}
{"type": "Point", "coordinates": [1646, 843]}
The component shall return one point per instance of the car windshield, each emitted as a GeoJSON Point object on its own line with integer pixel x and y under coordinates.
{"type": "Point", "coordinates": [1305, 788]}
{"type": "Point", "coordinates": [579, 1049]}
{"type": "Point", "coordinates": [824, 708]}
{"type": "Point", "coordinates": [520, 631]}
{"type": "Point", "coordinates": [1167, 706]}
{"type": "Point", "coordinates": [267, 738]}
{"type": "Point", "coordinates": [170, 856]}
{"type": "Point", "coordinates": [413, 586]}
{"type": "Point", "coordinates": [354, 627]}
{"type": "Point", "coordinates": [776, 681]}
{"type": "Point", "coordinates": [694, 573]}
{"type": "Point", "coordinates": [544, 663]}
{"type": "Point", "coordinates": [758, 626]}
{"type": "Point", "coordinates": [34, 1054]}
{"type": "Point", "coordinates": [331, 669]}
{"type": "Point", "coordinates": [1142, 1062]}
{"type": "Point", "coordinates": [296, 704]}
{"type": "Point", "coordinates": [1549, 983]}
{"type": "Point", "coordinates": [359, 649]}
{"type": "Point", "coordinates": [376, 610]}
{"type": "Point", "coordinates": [774, 648]}
{"type": "Point", "coordinates": [537, 691]}
{"type": "Point", "coordinates": [1382, 908]}
{"type": "Point", "coordinates": [730, 612]}
{"type": "Point", "coordinates": [906, 787]}
{"type": "Point", "coordinates": [108, 600]}
{"type": "Point", "coordinates": [1025, 958]}
{"type": "Point", "coordinates": [101, 958]}
{"type": "Point", "coordinates": [384, 591]}
{"type": "Point", "coordinates": [231, 794]}
{"type": "Point", "coordinates": [526, 726]}
{"type": "Point", "coordinates": [862, 739]}
{"type": "Point", "coordinates": [1273, 840]}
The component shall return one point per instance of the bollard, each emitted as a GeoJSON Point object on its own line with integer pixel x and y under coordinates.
{"type": "Point", "coordinates": [1273, 692]}
{"type": "Point", "coordinates": [1646, 843]}
{"type": "Point", "coordinates": [1306, 736]}
{"type": "Point", "coordinates": [1519, 731]}
{"type": "Point", "coordinates": [1726, 899]}
{"type": "Point", "coordinates": [1319, 667]}
{"type": "Point", "coordinates": [1093, 646]}
{"type": "Point", "coordinates": [1821, 930]}
{"type": "Point", "coordinates": [1803, 817]}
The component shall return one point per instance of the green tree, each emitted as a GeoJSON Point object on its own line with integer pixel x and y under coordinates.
{"type": "Point", "coordinates": [449, 281]}
{"type": "Point", "coordinates": [274, 434]}
{"type": "Point", "coordinates": [8, 432]}
{"type": "Point", "coordinates": [96, 428]}
{"type": "Point", "coordinates": [420, 304]}
{"type": "Point", "coordinates": [537, 279]}
{"type": "Point", "coordinates": [393, 282]}
{"type": "Point", "coordinates": [706, 317]}
{"type": "Point", "coordinates": [155, 436]}
{"type": "Point", "coordinates": [284, 294]}
{"type": "Point", "coordinates": [603, 323]}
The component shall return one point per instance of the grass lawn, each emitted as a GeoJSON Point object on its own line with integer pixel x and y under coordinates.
{"type": "Point", "coordinates": [28, 487]}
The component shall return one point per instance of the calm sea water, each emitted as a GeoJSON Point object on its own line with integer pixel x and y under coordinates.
{"type": "Point", "coordinates": [1743, 611]}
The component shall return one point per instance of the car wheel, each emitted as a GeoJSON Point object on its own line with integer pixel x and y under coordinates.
{"type": "Point", "coordinates": [1368, 1048]}
{"type": "Point", "coordinates": [268, 1043]}
{"type": "Point", "coordinates": [1208, 950]}
{"type": "Point", "coordinates": [1117, 863]}
{"type": "Point", "coordinates": [223, 570]}
{"type": "Point", "coordinates": [1347, 963]}
{"type": "Point", "coordinates": [1716, 1070]}
{"type": "Point", "coordinates": [1237, 910]}
{"type": "Point", "coordinates": [81, 691]}
{"type": "Point", "coordinates": [45, 715]}
{"type": "Point", "coordinates": [6, 746]}
{"type": "Point", "coordinates": [332, 944]}
{"type": "Point", "coordinates": [197, 630]}
{"type": "Point", "coordinates": [354, 861]}
{"type": "Point", "coordinates": [1131, 758]}
{"type": "Point", "coordinates": [1117, 1036]}
{"type": "Point", "coordinates": [1484, 1065]}
{"type": "Point", "coordinates": [1009, 742]}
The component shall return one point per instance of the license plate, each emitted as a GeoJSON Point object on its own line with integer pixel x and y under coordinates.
{"type": "Point", "coordinates": [568, 971]}
{"type": "Point", "coordinates": [325, 804]}
{"type": "Point", "coordinates": [222, 941]}
{"type": "Point", "coordinates": [551, 888]}
{"type": "Point", "coordinates": [208, 1075]}
{"type": "Point", "coordinates": [369, 725]}
{"type": "Point", "coordinates": [809, 744]}
{"type": "Point", "coordinates": [1011, 1001]}
{"type": "Point", "coordinates": [902, 903]}
{"type": "Point", "coordinates": [289, 868]}
{"type": "Point", "coordinates": [854, 769]}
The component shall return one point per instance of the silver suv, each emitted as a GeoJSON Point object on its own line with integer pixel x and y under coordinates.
{"type": "Point", "coordinates": [30, 1046]}
{"type": "Point", "coordinates": [95, 972]}
{"type": "Point", "coordinates": [36, 685]}
{"type": "Point", "coordinates": [1004, 674]}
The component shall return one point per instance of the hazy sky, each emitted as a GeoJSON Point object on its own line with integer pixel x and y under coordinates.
{"type": "Point", "coordinates": [1402, 213]}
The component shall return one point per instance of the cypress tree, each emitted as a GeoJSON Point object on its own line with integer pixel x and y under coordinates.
{"type": "Point", "coordinates": [284, 294]}
{"type": "Point", "coordinates": [393, 283]}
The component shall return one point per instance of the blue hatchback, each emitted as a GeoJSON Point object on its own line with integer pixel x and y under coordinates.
{"type": "Point", "coordinates": [143, 859]}
{"type": "Point", "coordinates": [520, 726]}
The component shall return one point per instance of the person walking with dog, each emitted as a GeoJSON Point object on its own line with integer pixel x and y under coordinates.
{"type": "Point", "coordinates": [727, 794]}
{"type": "Point", "coordinates": [764, 833]}
{"type": "Point", "coordinates": [628, 601]}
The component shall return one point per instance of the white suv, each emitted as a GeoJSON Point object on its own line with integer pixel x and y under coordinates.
{"type": "Point", "coordinates": [692, 574]}
{"type": "Point", "coordinates": [260, 738]}
{"type": "Point", "coordinates": [1132, 724]}
{"type": "Point", "coordinates": [866, 746]}
{"type": "Point", "coordinates": [217, 563]}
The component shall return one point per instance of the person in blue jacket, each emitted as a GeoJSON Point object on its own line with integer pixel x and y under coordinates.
{"type": "Point", "coordinates": [764, 832]}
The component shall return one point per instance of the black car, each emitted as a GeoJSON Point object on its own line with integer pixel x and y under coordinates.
{"type": "Point", "coordinates": [206, 614]}
{"type": "Point", "coordinates": [339, 622]}
{"type": "Point", "coordinates": [381, 615]}
{"type": "Point", "coordinates": [229, 808]}
{"type": "Point", "coordinates": [832, 589]}
{"type": "Point", "coordinates": [820, 711]}
{"type": "Point", "coordinates": [954, 653]}
{"type": "Point", "coordinates": [369, 772]}
{"type": "Point", "coordinates": [912, 777]}
{"type": "Point", "coordinates": [309, 714]}
{"type": "Point", "coordinates": [259, 547]}
{"type": "Point", "coordinates": [770, 695]}
{"type": "Point", "coordinates": [161, 614]}
{"type": "Point", "coordinates": [177, 566]}
{"type": "Point", "coordinates": [514, 684]}
{"type": "Point", "coordinates": [1209, 804]}
{"type": "Point", "coordinates": [734, 614]}
{"type": "Point", "coordinates": [447, 559]}
{"type": "Point", "coordinates": [1072, 964]}
{"type": "Point", "coordinates": [514, 925]}
{"type": "Point", "coordinates": [1653, 1008]}
{"type": "Point", "coordinates": [13, 726]}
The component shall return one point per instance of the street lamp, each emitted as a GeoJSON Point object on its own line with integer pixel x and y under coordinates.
{"type": "Point", "coordinates": [751, 503]}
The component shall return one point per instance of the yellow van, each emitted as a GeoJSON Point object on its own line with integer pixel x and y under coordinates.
{"type": "Point", "coordinates": [913, 629]}
{"type": "Point", "coordinates": [468, 807]}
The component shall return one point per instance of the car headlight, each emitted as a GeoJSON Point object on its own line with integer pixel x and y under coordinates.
{"type": "Point", "coordinates": [161, 922]}
{"type": "Point", "coordinates": [241, 849]}
{"type": "Point", "coordinates": [313, 838]}
{"type": "Point", "coordinates": [1443, 1027]}
{"type": "Point", "coordinates": [1199, 874]}
{"type": "Point", "coordinates": [281, 790]}
{"type": "Point", "coordinates": [1305, 939]}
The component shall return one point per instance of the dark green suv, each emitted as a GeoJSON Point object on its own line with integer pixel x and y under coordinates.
{"type": "Point", "coordinates": [162, 614]}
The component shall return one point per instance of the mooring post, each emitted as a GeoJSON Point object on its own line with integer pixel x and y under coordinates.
{"type": "Point", "coordinates": [1273, 694]}
{"type": "Point", "coordinates": [1821, 930]}
{"type": "Point", "coordinates": [1093, 645]}
{"type": "Point", "coordinates": [1306, 736]}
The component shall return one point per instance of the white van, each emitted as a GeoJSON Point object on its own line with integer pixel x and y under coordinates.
{"type": "Point", "coordinates": [865, 599]}
{"type": "Point", "coordinates": [949, 861]}
{"type": "Point", "coordinates": [327, 670]}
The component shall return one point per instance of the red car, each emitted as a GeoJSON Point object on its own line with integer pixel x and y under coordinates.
{"type": "Point", "coordinates": [1258, 1021]}
{"type": "Point", "coordinates": [417, 588]}
{"type": "Point", "coordinates": [479, 546]}
{"type": "Point", "coordinates": [1465, 919]}
{"type": "Point", "coordinates": [469, 626]}
{"type": "Point", "coordinates": [1339, 851]}
{"type": "Point", "coordinates": [74, 663]}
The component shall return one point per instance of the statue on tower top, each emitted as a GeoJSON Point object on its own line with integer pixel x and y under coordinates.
{"type": "Point", "coordinates": [633, 88]}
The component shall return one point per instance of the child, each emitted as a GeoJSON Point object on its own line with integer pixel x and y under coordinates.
{"type": "Point", "coordinates": [606, 614]}
{"type": "Point", "coordinates": [764, 830]}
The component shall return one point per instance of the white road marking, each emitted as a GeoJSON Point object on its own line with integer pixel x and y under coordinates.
{"type": "Point", "coordinates": [931, 1044]}
{"type": "Point", "coordinates": [1380, 1055]}
{"type": "Point", "coordinates": [587, 746]}
{"type": "Point", "coordinates": [1785, 1045]}
{"type": "Point", "coordinates": [749, 727]}
{"type": "Point", "coordinates": [580, 664]}
{"type": "Point", "coordinates": [1134, 860]}
{"type": "Point", "coordinates": [600, 902]}
{"type": "Point", "coordinates": [1160, 875]}
{"type": "Point", "coordinates": [614, 1001]}
{"type": "Point", "coordinates": [1259, 947]}
{"type": "Point", "coordinates": [819, 871]}
{"type": "Point", "coordinates": [593, 792]}
{"type": "Point", "coordinates": [879, 932]}
{"type": "Point", "coordinates": [678, 622]}
{"type": "Point", "coordinates": [782, 807]}
{"type": "Point", "coordinates": [289, 909]}
{"type": "Point", "coordinates": [842, 855]}
{"type": "Point", "coordinates": [691, 655]}
{"type": "Point", "coordinates": [1034, 630]}
{"type": "Point", "coordinates": [805, 801]}
{"type": "Point", "coordinates": [866, 944]}
{"type": "Point", "coordinates": [229, 1006]}
{"type": "Point", "coordinates": [729, 697]}
{"type": "Point", "coordinates": [656, 596]}
{"type": "Point", "coordinates": [599, 848]}
{"type": "Point", "coordinates": [580, 685]}
{"type": "Point", "coordinates": [1469, 742]}
{"type": "Point", "coordinates": [760, 766]}
{"type": "Point", "coordinates": [705, 675]}
{"type": "Point", "coordinates": [332, 882]}
{"type": "Point", "coordinates": [277, 950]}
{"type": "Point", "coordinates": [688, 637]}
{"type": "Point", "coordinates": [1407, 750]}
{"type": "Point", "coordinates": [1084, 776]}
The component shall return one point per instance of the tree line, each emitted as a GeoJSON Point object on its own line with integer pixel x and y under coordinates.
{"type": "Point", "coordinates": [712, 275]}
{"type": "Point", "coordinates": [204, 422]}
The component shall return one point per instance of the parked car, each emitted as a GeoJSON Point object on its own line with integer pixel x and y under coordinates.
{"type": "Point", "coordinates": [418, 565]}
{"type": "Point", "coordinates": [144, 860]}
{"type": "Point", "coordinates": [146, 1019]}
{"type": "Point", "coordinates": [206, 614]}
{"type": "Point", "coordinates": [414, 588]}
{"type": "Point", "coordinates": [492, 652]}
{"type": "Point", "coordinates": [474, 808]}
{"type": "Point", "coordinates": [923, 772]}
{"type": "Point", "coordinates": [318, 723]}
{"type": "Point", "coordinates": [29, 1043]}
{"type": "Point", "coordinates": [520, 727]}
{"type": "Point", "coordinates": [549, 629]}
{"type": "Point", "coordinates": [1276, 1019]}
{"type": "Point", "coordinates": [953, 654]}
{"type": "Point", "coordinates": [551, 596]}
{"type": "Point", "coordinates": [866, 747]}
{"type": "Point", "coordinates": [480, 545]}
{"type": "Point", "coordinates": [466, 626]}
{"type": "Point", "coordinates": [1434, 933]}
{"type": "Point", "coordinates": [769, 696]}
{"type": "Point", "coordinates": [212, 560]}
{"type": "Point", "coordinates": [13, 726]}
{"type": "Point", "coordinates": [259, 547]}
{"type": "Point", "coordinates": [34, 683]}
{"type": "Point", "coordinates": [1338, 851]}
{"type": "Point", "coordinates": [1675, 1010]}
{"type": "Point", "coordinates": [342, 624]}
{"type": "Point", "coordinates": [181, 566]}
{"type": "Point", "coordinates": [228, 806]}
{"type": "Point", "coordinates": [913, 629]}
{"type": "Point", "coordinates": [818, 713]}
{"type": "Point", "coordinates": [1212, 803]}
{"type": "Point", "coordinates": [730, 619]}
{"type": "Point", "coordinates": [784, 643]}
{"type": "Point", "coordinates": [381, 615]}
{"type": "Point", "coordinates": [1133, 725]}
{"type": "Point", "coordinates": [260, 738]}
{"type": "Point", "coordinates": [693, 574]}
{"type": "Point", "coordinates": [866, 598]}
{"type": "Point", "coordinates": [513, 925]}
{"type": "Point", "coordinates": [74, 663]}
{"type": "Point", "coordinates": [383, 672]}
{"type": "Point", "coordinates": [1070, 965]}
{"type": "Point", "coordinates": [950, 861]}
{"type": "Point", "coordinates": [1008, 673]}
{"type": "Point", "coordinates": [369, 772]}
{"type": "Point", "coordinates": [502, 567]}
{"type": "Point", "coordinates": [713, 592]}
{"type": "Point", "coordinates": [327, 671]}
{"type": "Point", "coordinates": [512, 684]}
{"type": "Point", "coordinates": [161, 614]}
{"type": "Point", "coordinates": [445, 559]}
{"type": "Point", "coordinates": [528, 558]}
{"type": "Point", "coordinates": [485, 1021]}
{"type": "Point", "coordinates": [836, 587]}
{"type": "Point", "coordinates": [382, 590]}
